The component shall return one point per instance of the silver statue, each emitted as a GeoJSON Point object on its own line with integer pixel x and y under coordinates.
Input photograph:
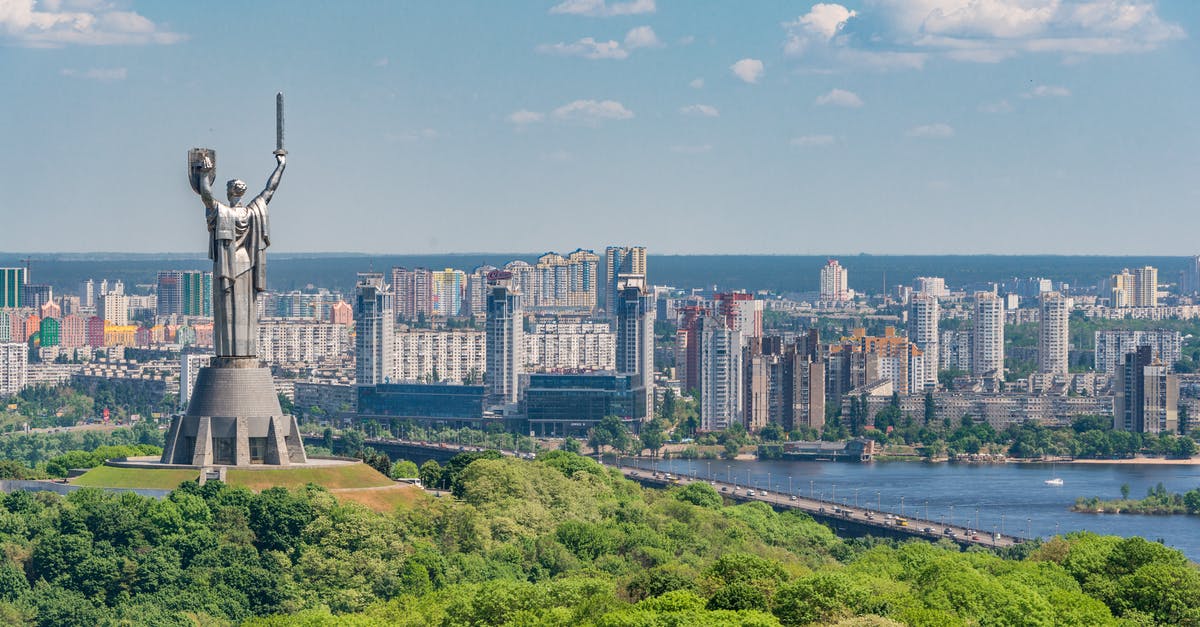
{"type": "Point", "coordinates": [238, 239]}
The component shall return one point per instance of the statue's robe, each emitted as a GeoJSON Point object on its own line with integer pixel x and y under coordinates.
{"type": "Point", "coordinates": [239, 237]}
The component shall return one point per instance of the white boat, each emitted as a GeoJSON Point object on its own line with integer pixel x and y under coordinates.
{"type": "Point", "coordinates": [1055, 481]}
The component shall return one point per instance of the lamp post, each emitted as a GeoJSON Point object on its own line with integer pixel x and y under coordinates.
{"type": "Point", "coordinates": [951, 515]}
{"type": "Point", "coordinates": [856, 498]}
{"type": "Point", "coordinates": [810, 488]}
{"type": "Point", "coordinates": [833, 494]}
{"type": "Point", "coordinates": [902, 506]}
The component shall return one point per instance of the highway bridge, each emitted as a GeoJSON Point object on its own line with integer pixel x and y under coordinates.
{"type": "Point", "coordinates": [842, 518]}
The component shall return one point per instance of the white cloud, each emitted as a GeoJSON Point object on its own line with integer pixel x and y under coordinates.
{"type": "Point", "coordinates": [702, 110]}
{"type": "Point", "coordinates": [641, 37]}
{"type": "Point", "coordinates": [749, 70]}
{"type": "Point", "coordinates": [687, 40]}
{"type": "Point", "coordinates": [692, 150]}
{"type": "Point", "coordinates": [805, 141]}
{"type": "Point", "coordinates": [996, 107]}
{"type": "Point", "coordinates": [381, 62]}
{"type": "Point", "coordinates": [525, 117]}
{"type": "Point", "coordinates": [697, 83]}
{"type": "Point", "coordinates": [938, 130]}
{"type": "Point", "coordinates": [587, 48]}
{"type": "Point", "coordinates": [57, 23]}
{"type": "Point", "coordinates": [840, 98]}
{"type": "Point", "coordinates": [1047, 91]}
{"type": "Point", "coordinates": [98, 74]}
{"type": "Point", "coordinates": [592, 111]}
{"type": "Point", "coordinates": [600, 8]}
{"type": "Point", "coordinates": [900, 34]}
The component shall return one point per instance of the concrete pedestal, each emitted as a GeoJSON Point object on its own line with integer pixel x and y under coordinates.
{"type": "Point", "coordinates": [234, 419]}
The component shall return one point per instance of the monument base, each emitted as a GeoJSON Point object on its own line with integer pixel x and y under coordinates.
{"type": "Point", "coordinates": [234, 419]}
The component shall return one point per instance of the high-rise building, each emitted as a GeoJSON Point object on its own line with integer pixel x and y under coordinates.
{"type": "Point", "coordinates": [189, 369]}
{"type": "Point", "coordinates": [449, 287]}
{"type": "Point", "coordinates": [35, 295]}
{"type": "Point", "coordinates": [1054, 334]}
{"type": "Point", "coordinates": [14, 368]}
{"type": "Point", "coordinates": [1147, 395]}
{"type": "Point", "coordinates": [1190, 279]}
{"type": "Point", "coordinates": [505, 327]}
{"type": "Point", "coordinates": [73, 332]}
{"type": "Point", "coordinates": [87, 293]}
{"type": "Point", "coordinates": [923, 316]}
{"type": "Point", "coordinates": [476, 294]}
{"type": "Point", "coordinates": [934, 286]}
{"type": "Point", "coordinates": [11, 282]}
{"type": "Point", "coordinates": [413, 291]}
{"type": "Point", "coordinates": [622, 262]}
{"type": "Point", "coordinates": [834, 282]}
{"type": "Point", "coordinates": [301, 341]}
{"type": "Point", "coordinates": [720, 356]}
{"type": "Point", "coordinates": [195, 293]}
{"type": "Point", "coordinates": [1147, 287]}
{"type": "Point", "coordinates": [170, 293]}
{"type": "Point", "coordinates": [50, 310]}
{"type": "Point", "coordinates": [784, 383]}
{"type": "Point", "coordinates": [1113, 344]}
{"type": "Point", "coordinates": [955, 350]}
{"type": "Point", "coordinates": [741, 312]}
{"type": "Point", "coordinates": [424, 355]}
{"type": "Point", "coordinates": [373, 321]}
{"type": "Point", "coordinates": [48, 332]}
{"type": "Point", "coordinates": [341, 313]}
{"type": "Point", "coordinates": [634, 310]}
{"type": "Point", "coordinates": [566, 282]}
{"type": "Point", "coordinates": [570, 345]}
{"type": "Point", "coordinates": [987, 336]}
{"type": "Point", "coordinates": [95, 331]}
{"type": "Point", "coordinates": [5, 327]}
{"type": "Point", "coordinates": [862, 359]}
{"type": "Point", "coordinates": [113, 308]}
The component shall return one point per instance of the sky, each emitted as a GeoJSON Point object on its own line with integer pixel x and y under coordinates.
{"type": "Point", "coordinates": [687, 126]}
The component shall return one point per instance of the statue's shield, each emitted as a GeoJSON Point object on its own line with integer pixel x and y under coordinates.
{"type": "Point", "coordinates": [195, 156]}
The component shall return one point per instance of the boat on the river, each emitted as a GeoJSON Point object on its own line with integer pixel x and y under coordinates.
{"type": "Point", "coordinates": [1054, 482]}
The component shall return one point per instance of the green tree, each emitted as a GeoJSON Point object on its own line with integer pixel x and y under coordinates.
{"type": "Point", "coordinates": [404, 469]}
{"type": "Point", "coordinates": [571, 445]}
{"type": "Point", "coordinates": [430, 475]}
{"type": "Point", "coordinates": [737, 596]}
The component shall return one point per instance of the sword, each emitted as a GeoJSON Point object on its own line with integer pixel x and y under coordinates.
{"type": "Point", "coordinates": [279, 124]}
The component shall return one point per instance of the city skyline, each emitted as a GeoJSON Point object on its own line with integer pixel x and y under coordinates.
{"type": "Point", "coordinates": [731, 129]}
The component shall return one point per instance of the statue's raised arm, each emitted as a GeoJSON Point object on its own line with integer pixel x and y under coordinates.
{"type": "Point", "coordinates": [202, 177]}
{"type": "Point", "coordinates": [273, 181]}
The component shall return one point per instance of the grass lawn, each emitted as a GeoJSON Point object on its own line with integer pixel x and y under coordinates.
{"type": "Point", "coordinates": [157, 479]}
{"type": "Point", "coordinates": [382, 500]}
{"type": "Point", "coordinates": [330, 477]}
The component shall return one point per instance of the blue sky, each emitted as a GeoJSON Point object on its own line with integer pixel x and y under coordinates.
{"type": "Point", "coordinates": [879, 126]}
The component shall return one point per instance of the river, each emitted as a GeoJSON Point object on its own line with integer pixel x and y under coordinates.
{"type": "Point", "coordinates": [1009, 497]}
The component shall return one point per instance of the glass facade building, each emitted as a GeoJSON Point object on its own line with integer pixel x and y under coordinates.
{"type": "Point", "coordinates": [570, 404]}
{"type": "Point", "coordinates": [422, 402]}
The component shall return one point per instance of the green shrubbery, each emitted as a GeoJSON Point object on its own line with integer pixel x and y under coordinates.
{"type": "Point", "coordinates": [559, 540]}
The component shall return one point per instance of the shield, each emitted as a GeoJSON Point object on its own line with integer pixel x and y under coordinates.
{"type": "Point", "coordinates": [195, 157]}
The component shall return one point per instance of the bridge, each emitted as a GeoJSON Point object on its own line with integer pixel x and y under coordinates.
{"type": "Point", "coordinates": [843, 519]}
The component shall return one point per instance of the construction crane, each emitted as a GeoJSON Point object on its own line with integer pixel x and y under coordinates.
{"type": "Point", "coordinates": [28, 261]}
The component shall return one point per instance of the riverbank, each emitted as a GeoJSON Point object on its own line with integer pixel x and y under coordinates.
{"type": "Point", "coordinates": [1145, 461]}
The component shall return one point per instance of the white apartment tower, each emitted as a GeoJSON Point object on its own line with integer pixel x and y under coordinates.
{"type": "Point", "coordinates": [1146, 284]}
{"type": "Point", "coordinates": [1053, 334]}
{"type": "Point", "coordinates": [14, 368]}
{"type": "Point", "coordinates": [373, 324]}
{"type": "Point", "coordinates": [834, 284]}
{"type": "Point", "coordinates": [987, 335]}
{"type": "Point", "coordinates": [620, 262]}
{"type": "Point", "coordinates": [720, 360]}
{"type": "Point", "coordinates": [505, 340]}
{"type": "Point", "coordinates": [923, 317]}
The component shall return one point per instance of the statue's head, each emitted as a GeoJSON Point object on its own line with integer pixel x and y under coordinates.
{"type": "Point", "coordinates": [235, 189]}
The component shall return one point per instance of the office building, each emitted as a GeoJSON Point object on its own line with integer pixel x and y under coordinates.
{"type": "Point", "coordinates": [558, 405]}
{"type": "Point", "coordinates": [14, 368]}
{"type": "Point", "coordinates": [87, 293]}
{"type": "Point", "coordinates": [169, 293]}
{"type": "Point", "coordinates": [430, 404]}
{"type": "Point", "coordinates": [1113, 344]}
{"type": "Point", "coordinates": [923, 316]}
{"type": "Point", "coordinates": [505, 327]}
{"type": "Point", "coordinates": [34, 295]}
{"type": "Point", "coordinates": [1189, 282]}
{"type": "Point", "coordinates": [987, 336]}
{"type": "Point", "coordinates": [1147, 395]}
{"type": "Point", "coordinates": [622, 262]}
{"type": "Point", "coordinates": [373, 324]}
{"type": "Point", "coordinates": [1054, 334]}
{"type": "Point", "coordinates": [11, 282]}
{"type": "Point", "coordinates": [834, 282]}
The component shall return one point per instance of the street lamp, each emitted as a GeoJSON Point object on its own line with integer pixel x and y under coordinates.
{"type": "Point", "coordinates": [856, 498]}
{"type": "Point", "coordinates": [951, 515]}
{"type": "Point", "coordinates": [878, 501]}
{"type": "Point", "coordinates": [790, 485]}
{"type": "Point", "coordinates": [902, 506]}
{"type": "Point", "coordinates": [833, 495]}
{"type": "Point", "coordinates": [926, 509]}
{"type": "Point", "coordinates": [810, 488]}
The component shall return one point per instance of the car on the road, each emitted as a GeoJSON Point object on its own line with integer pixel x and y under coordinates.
{"type": "Point", "coordinates": [724, 488]}
{"type": "Point", "coordinates": [975, 536]}
{"type": "Point", "coordinates": [750, 493]}
{"type": "Point", "coordinates": [928, 530]}
{"type": "Point", "coordinates": [793, 497]}
{"type": "Point", "coordinates": [948, 531]}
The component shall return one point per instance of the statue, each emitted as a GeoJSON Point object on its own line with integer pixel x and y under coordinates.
{"type": "Point", "coordinates": [238, 239]}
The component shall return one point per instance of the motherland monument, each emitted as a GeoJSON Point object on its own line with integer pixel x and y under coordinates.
{"type": "Point", "coordinates": [234, 417]}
